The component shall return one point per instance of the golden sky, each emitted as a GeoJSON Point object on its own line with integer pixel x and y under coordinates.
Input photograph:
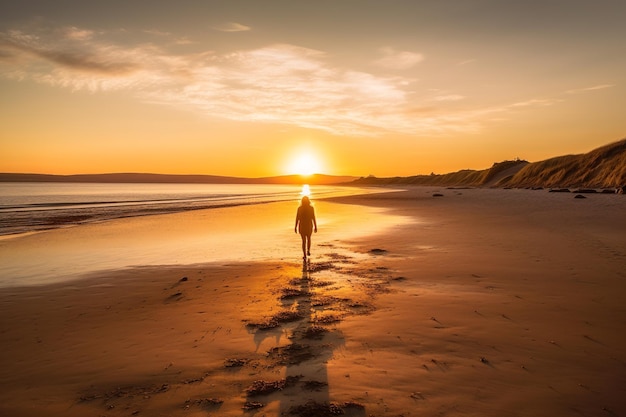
{"type": "Point", "coordinates": [244, 88]}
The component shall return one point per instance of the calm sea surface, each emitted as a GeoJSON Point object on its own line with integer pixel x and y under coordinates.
{"type": "Point", "coordinates": [28, 207]}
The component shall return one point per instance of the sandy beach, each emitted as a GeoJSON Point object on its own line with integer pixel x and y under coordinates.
{"type": "Point", "coordinates": [478, 302]}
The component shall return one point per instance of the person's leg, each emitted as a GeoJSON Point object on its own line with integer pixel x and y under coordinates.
{"type": "Point", "coordinates": [303, 245]}
{"type": "Point", "coordinates": [308, 245]}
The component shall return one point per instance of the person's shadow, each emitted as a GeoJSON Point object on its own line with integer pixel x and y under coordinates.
{"type": "Point", "coordinates": [313, 392]}
{"type": "Point", "coordinates": [306, 357]}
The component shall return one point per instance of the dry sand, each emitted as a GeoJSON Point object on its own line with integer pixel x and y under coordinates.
{"type": "Point", "coordinates": [489, 303]}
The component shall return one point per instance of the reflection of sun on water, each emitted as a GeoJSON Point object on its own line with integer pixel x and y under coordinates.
{"type": "Point", "coordinates": [306, 190]}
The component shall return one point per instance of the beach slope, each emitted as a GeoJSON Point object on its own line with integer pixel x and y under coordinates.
{"type": "Point", "coordinates": [471, 302]}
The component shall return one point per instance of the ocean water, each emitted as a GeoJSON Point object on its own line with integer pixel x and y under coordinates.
{"type": "Point", "coordinates": [57, 232]}
{"type": "Point", "coordinates": [29, 207]}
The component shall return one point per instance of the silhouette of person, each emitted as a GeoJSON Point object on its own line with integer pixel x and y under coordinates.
{"type": "Point", "coordinates": [305, 224]}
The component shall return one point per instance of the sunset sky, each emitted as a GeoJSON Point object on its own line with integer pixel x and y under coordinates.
{"type": "Point", "coordinates": [245, 88]}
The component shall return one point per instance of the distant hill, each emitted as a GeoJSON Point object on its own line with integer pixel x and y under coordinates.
{"type": "Point", "coordinates": [604, 167]}
{"type": "Point", "coordinates": [315, 179]}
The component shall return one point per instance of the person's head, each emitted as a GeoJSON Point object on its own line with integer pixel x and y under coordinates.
{"type": "Point", "coordinates": [306, 201]}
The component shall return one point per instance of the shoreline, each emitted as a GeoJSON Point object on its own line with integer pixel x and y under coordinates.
{"type": "Point", "coordinates": [486, 303]}
{"type": "Point", "coordinates": [237, 233]}
{"type": "Point", "coordinates": [39, 207]}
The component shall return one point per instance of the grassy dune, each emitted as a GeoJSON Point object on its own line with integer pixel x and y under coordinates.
{"type": "Point", "coordinates": [604, 167]}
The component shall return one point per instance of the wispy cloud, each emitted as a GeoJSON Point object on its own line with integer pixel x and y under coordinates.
{"type": "Point", "coordinates": [466, 62]}
{"type": "Point", "coordinates": [595, 87]}
{"type": "Point", "coordinates": [72, 49]}
{"type": "Point", "coordinates": [543, 102]}
{"type": "Point", "coordinates": [78, 34]}
{"type": "Point", "coordinates": [449, 97]}
{"type": "Point", "coordinates": [232, 27]}
{"type": "Point", "coordinates": [398, 60]}
{"type": "Point", "coordinates": [279, 83]}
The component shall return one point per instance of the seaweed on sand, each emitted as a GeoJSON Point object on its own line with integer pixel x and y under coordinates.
{"type": "Point", "coordinates": [260, 387]}
{"type": "Point", "coordinates": [276, 320]}
{"type": "Point", "coordinates": [288, 293]}
{"type": "Point", "coordinates": [314, 333]}
{"type": "Point", "coordinates": [328, 319]}
{"type": "Point", "coordinates": [315, 409]}
{"type": "Point", "coordinates": [292, 354]}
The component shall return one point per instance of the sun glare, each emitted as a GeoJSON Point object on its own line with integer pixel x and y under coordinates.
{"type": "Point", "coordinates": [305, 164]}
{"type": "Point", "coordinates": [306, 190]}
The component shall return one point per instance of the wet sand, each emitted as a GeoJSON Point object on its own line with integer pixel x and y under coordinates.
{"type": "Point", "coordinates": [488, 302]}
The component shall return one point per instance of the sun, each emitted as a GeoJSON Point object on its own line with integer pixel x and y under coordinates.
{"type": "Point", "coordinates": [305, 164]}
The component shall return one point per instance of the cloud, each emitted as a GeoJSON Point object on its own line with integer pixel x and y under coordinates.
{"type": "Point", "coordinates": [287, 84]}
{"type": "Point", "coordinates": [543, 102]}
{"type": "Point", "coordinates": [72, 49]}
{"type": "Point", "coordinates": [280, 83]}
{"type": "Point", "coordinates": [449, 97]}
{"type": "Point", "coordinates": [78, 34]}
{"type": "Point", "coordinates": [466, 62]}
{"type": "Point", "coordinates": [398, 60]}
{"type": "Point", "coordinates": [232, 27]}
{"type": "Point", "coordinates": [584, 90]}
{"type": "Point", "coordinates": [156, 32]}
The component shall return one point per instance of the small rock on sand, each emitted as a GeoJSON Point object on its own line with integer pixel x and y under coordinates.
{"type": "Point", "coordinates": [378, 251]}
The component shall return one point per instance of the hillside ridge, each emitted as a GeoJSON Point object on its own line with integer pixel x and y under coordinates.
{"type": "Point", "coordinates": [604, 167]}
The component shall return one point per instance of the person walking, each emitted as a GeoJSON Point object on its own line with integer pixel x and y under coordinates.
{"type": "Point", "coordinates": [306, 224]}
